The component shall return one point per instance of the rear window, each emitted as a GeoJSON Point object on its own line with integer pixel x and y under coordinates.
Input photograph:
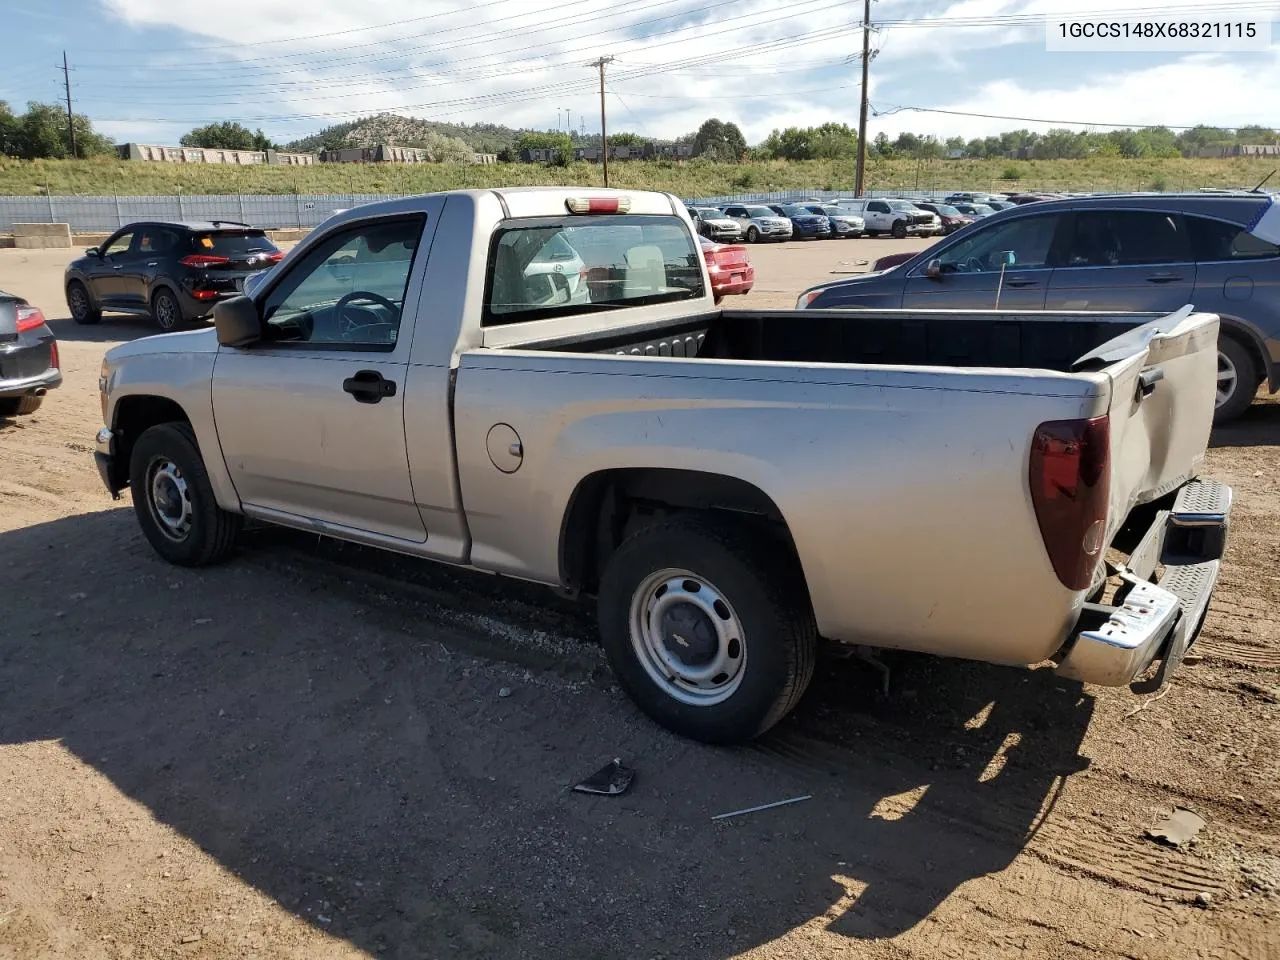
{"type": "Point", "coordinates": [584, 264]}
{"type": "Point", "coordinates": [234, 244]}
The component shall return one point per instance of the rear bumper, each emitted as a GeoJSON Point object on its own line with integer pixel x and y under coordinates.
{"type": "Point", "coordinates": [1156, 618]}
{"type": "Point", "coordinates": [22, 386]}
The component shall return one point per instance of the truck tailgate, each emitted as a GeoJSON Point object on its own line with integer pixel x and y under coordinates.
{"type": "Point", "coordinates": [1163, 380]}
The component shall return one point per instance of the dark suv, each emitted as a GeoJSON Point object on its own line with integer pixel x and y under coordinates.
{"type": "Point", "coordinates": [172, 272]}
{"type": "Point", "coordinates": [1110, 253]}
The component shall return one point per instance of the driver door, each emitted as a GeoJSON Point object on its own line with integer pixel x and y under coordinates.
{"type": "Point", "coordinates": [311, 418]}
{"type": "Point", "coordinates": [971, 277]}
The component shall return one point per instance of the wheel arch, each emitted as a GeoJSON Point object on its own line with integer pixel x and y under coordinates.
{"type": "Point", "coordinates": [134, 415]}
{"type": "Point", "coordinates": [606, 506]}
{"type": "Point", "coordinates": [1248, 337]}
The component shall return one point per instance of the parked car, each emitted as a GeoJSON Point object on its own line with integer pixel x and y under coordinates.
{"type": "Point", "coordinates": [805, 224]}
{"type": "Point", "coordinates": [29, 365]}
{"type": "Point", "coordinates": [898, 218]}
{"type": "Point", "coordinates": [970, 197]}
{"type": "Point", "coordinates": [759, 222]}
{"type": "Point", "coordinates": [1022, 199]}
{"type": "Point", "coordinates": [952, 218]}
{"type": "Point", "coordinates": [729, 268]}
{"type": "Point", "coordinates": [998, 205]}
{"type": "Point", "coordinates": [172, 272]}
{"type": "Point", "coordinates": [891, 260]}
{"type": "Point", "coordinates": [843, 222]}
{"type": "Point", "coordinates": [975, 210]}
{"type": "Point", "coordinates": [688, 467]}
{"type": "Point", "coordinates": [1142, 252]}
{"type": "Point", "coordinates": [714, 225]}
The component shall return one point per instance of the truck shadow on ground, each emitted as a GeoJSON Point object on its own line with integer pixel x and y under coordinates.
{"type": "Point", "coordinates": [338, 747]}
{"type": "Point", "coordinates": [1259, 426]}
{"type": "Point", "coordinates": [112, 328]}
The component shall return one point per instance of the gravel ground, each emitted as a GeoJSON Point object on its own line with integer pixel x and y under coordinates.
{"type": "Point", "coordinates": [304, 753]}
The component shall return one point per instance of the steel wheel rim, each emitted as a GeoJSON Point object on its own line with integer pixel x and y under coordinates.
{"type": "Point", "coordinates": [165, 312]}
{"type": "Point", "coordinates": [1228, 377]}
{"type": "Point", "coordinates": [79, 303]}
{"type": "Point", "coordinates": [169, 499]}
{"type": "Point", "coordinates": [676, 610]}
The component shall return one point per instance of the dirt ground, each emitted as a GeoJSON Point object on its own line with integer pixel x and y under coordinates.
{"type": "Point", "coordinates": [305, 754]}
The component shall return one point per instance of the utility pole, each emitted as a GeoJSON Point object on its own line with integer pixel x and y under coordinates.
{"type": "Point", "coordinates": [604, 135]}
{"type": "Point", "coordinates": [862, 113]}
{"type": "Point", "coordinates": [71, 123]}
{"type": "Point", "coordinates": [568, 123]}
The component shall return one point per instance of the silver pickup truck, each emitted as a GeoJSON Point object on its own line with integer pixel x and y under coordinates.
{"type": "Point", "coordinates": [536, 383]}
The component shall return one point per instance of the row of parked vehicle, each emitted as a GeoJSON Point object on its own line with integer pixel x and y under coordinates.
{"type": "Point", "coordinates": [851, 217]}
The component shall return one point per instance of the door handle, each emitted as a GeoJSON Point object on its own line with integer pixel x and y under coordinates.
{"type": "Point", "coordinates": [369, 386]}
{"type": "Point", "coordinates": [1020, 283]}
{"type": "Point", "coordinates": [118, 266]}
{"type": "Point", "coordinates": [154, 263]}
{"type": "Point", "coordinates": [1163, 278]}
{"type": "Point", "coordinates": [1147, 381]}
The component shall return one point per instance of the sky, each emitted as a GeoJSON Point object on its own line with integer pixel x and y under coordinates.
{"type": "Point", "coordinates": [150, 70]}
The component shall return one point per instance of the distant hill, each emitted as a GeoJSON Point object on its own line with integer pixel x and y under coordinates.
{"type": "Point", "coordinates": [407, 132]}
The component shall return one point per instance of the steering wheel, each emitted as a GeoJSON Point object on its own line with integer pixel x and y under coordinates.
{"type": "Point", "coordinates": [347, 327]}
{"type": "Point", "coordinates": [974, 265]}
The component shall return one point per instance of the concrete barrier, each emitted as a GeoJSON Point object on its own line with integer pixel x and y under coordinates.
{"type": "Point", "coordinates": [41, 236]}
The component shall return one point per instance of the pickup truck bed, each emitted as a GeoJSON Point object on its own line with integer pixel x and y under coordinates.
{"type": "Point", "coordinates": [1046, 341]}
{"type": "Point", "coordinates": [537, 384]}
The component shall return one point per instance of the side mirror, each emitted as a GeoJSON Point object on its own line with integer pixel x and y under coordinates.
{"type": "Point", "coordinates": [1008, 258]}
{"type": "Point", "coordinates": [237, 322]}
{"type": "Point", "coordinates": [92, 252]}
{"type": "Point", "coordinates": [933, 269]}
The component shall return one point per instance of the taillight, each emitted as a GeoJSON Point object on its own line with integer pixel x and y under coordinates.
{"type": "Point", "coordinates": [54, 360]}
{"type": "Point", "coordinates": [275, 257]}
{"type": "Point", "coordinates": [204, 294]}
{"type": "Point", "coordinates": [29, 318]}
{"type": "Point", "coordinates": [202, 261]}
{"type": "Point", "coordinates": [1070, 483]}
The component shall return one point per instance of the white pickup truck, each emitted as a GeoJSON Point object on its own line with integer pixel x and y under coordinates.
{"type": "Point", "coordinates": [536, 383]}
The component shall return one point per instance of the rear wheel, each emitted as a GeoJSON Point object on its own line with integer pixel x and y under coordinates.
{"type": "Point", "coordinates": [166, 311]}
{"type": "Point", "coordinates": [1238, 379]}
{"type": "Point", "coordinates": [19, 406]}
{"type": "Point", "coordinates": [753, 235]}
{"type": "Point", "coordinates": [80, 304]}
{"type": "Point", "coordinates": [709, 631]}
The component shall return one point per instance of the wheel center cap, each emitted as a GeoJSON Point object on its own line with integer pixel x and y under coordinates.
{"type": "Point", "coordinates": [170, 501]}
{"type": "Point", "coordinates": [689, 635]}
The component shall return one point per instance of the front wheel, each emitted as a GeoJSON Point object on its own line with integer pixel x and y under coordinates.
{"type": "Point", "coordinates": [753, 235]}
{"type": "Point", "coordinates": [899, 230]}
{"type": "Point", "coordinates": [1238, 379]}
{"type": "Point", "coordinates": [709, 631]}
{"type": "Point", "coordinates": [174, 501]}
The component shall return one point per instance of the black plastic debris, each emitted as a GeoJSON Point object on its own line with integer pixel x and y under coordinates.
{"type": "Point", "coordinates": [610, 780]}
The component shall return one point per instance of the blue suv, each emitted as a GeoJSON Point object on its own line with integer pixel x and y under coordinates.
{"type": "Point", "coordinates": [1143, 253]}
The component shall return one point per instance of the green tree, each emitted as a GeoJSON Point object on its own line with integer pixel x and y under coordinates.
{"type": "Point", "coordinates": [537, 140]}
{"type": "Point", "coordinates": [41, 133]}
{"type": "Point", "coordinates": [882, 145]}
{"type": "Point", "coordinates": [8, 131]}
{"type": "Point", "coordinates": [227, 135]}
{"type": "Point", "coordinates": [626, 140]}
{"type": "Point", "coordinates": [717, 140]}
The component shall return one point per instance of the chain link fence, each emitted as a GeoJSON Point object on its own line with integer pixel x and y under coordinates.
{"type": "Point", "coordinates": [282, 211]}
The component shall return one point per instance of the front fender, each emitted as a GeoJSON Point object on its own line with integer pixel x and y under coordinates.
{"type": "Point", "coordinates": [176, 368]}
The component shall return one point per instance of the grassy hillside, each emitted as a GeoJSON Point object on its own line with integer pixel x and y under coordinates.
{"type": "Point", "coordinates": [695, 178]}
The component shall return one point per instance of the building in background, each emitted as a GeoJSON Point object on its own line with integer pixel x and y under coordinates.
{"type": "Point", "coordinates": [155, 154]}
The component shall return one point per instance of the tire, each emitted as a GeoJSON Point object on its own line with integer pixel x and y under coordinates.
{"type": "Point", "coordinates": [1238, 379]}
{"type": "Point", "coordinates": [81, 304]}
{"type": "Point", "coordinates": [203, 533]}
{"type": "Point", "coordinates": [753, 235]}
{"type": "Point", "coordinates": [760, 678]}
{"type": "Point", "coordinates": [899, 230]}
{"type": "Point", "coordinates": [19, 406]}
{"type": "Point", "coordinates": [166, 311]}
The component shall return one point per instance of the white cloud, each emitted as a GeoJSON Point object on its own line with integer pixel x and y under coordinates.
{"type": "Point", "coordinates": [520, 61]}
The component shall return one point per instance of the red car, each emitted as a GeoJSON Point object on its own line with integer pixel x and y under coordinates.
{"type": "Point", "coordinates": [729, 267]}
{"type": "Point", "coordinates": [892, 260]}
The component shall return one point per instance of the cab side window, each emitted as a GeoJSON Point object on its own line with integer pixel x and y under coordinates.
{"type": "Point", "coordinates": [348, 289]}
{"type": "Point", "coordinates": [1029, 239]}
{"type": "Point", "coordinates": [118, 246]}
{"type": "Point", "coordinates": [1122, 238]}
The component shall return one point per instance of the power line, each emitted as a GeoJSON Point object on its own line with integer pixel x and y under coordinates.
{"type": "Point", "coordinates": [894, 108]}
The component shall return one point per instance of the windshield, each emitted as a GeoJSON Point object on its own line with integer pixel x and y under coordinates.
{"type": "Point", "coordinates": [982, 208]}
{"type": "Point", "coordinates": [709, 214]}
{"type": "Point", "coordinates": [586, 264]}
{"type": "Point", "coordinates": [758, 212]}
{"type": "Point", "coordinates": [795, 210]}
{"type": "Point", "coordinates": [945, 210]}
{"type": "Point", "coordinates": [902, 205]}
